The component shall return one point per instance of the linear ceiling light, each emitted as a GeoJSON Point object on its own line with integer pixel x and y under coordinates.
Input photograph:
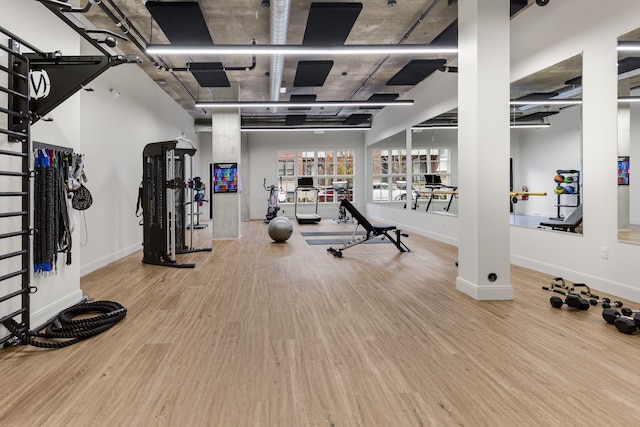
{"type": "Point", "coordinates": [316, 129]}
{"type": "Point", "coordinates": [512, 125]}
{"type": "Point", "coordinates": [289, 104]}
{"type": "Point", "coordinates": [628, 46]}
{"type": "Point", "coordinates": [633, 99]}
{"type": "Point", "coordinates": [219, 49]}
{"type": "Point", "coordinates": [548, 102]}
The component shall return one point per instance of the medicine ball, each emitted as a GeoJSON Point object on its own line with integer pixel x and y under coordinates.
{"type": "Point", "coordinates": [568, 180]}
{"type": "Point", "coordinates": [558, 178]}
{"type": "Point", "coordinates": [569, 190]}
{"type": "Point", "coordinates": [558, 189]}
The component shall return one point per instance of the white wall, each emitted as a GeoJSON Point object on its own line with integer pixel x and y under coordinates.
{"type": "Point", "coordinates": [538, 153]}
{"type": "Point", "coordinates": [24, 20]}
{"type": "Point", "coordinates": [111, 132]}
{"type": "Point", "coordinates": [595, 35]}
{"type": "Point", "coordinates": [263, 161]}
{"type": "Point", "coordinates": [114, 133]}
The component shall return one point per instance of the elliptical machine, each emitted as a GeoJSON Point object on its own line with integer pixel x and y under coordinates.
{"type": "Point", "coordinates": [272, 206]}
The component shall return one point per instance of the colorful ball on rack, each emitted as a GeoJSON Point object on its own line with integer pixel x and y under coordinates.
{"type": "Point", "coordinates": [568, 180]}
{"type": "Point", "coordinates": [569, 190]}
{"type": "Point", "coordinates": [558, 178]}
{"type": "Point", "coordinates": [558, 189]}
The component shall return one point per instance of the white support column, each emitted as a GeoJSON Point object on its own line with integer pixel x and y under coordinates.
{"type": "Point", "coordinates": [483, 141]}
{"type": "Point", "coordinates": [225, 148]}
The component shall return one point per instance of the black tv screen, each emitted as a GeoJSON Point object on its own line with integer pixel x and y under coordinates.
{"type": "Point", "coordinates": [623, 170]}
{"type": "Point", "coordinates": [225, 178]}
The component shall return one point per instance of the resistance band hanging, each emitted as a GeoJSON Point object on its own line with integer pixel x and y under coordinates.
{"type": "Point", "coordinates": [52, 223]}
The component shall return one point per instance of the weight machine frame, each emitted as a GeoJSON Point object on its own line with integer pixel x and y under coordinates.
{"type": "Point", "coordinates": [163, 203]}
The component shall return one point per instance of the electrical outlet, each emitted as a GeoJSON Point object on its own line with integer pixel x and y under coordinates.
{"type": "Point", "coordinates": [604, 252]}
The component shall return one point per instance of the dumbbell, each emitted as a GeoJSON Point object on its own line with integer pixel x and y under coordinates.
{"type": "Point", "coordinates": [610, 315]}
{"type": "Point", "coordinates": [623, 323]}
{"type": "Point", "coordinates": [627, 324]}
{"type": "Point", "coordinates": [571, 299]}
{"type": "Point", "coordinates": [606, 303]}
{"type": "Point", "coordinates": [628, 312]}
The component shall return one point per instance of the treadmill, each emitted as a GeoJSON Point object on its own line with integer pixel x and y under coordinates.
{"type": "Point", "coordinates": [305, 185]}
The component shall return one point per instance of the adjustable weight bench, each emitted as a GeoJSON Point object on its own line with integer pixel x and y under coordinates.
{"type": "Point", "coordinates": [372, 231]}
{"type": "Point", "coordinates": [570, 223]}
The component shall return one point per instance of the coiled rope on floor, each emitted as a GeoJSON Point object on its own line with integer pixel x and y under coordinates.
{"type": "Point", "coordinates": [67, 329]}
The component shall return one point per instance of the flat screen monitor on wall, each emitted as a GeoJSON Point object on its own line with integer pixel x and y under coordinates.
{"type": "Point", "coordinates": [623, 170]}
{"type": "Point", "coordinates": [224, 178]}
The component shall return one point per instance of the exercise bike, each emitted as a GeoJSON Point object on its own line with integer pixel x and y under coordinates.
{"type": "Point", "coordinates": [272, 206]}
{"type": "Point", "coordinates": [341, 190]}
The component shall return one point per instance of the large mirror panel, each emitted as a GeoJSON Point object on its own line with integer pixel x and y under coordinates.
{"type": "Point", "coordinates": [546, 148]}
{"type": "Point", "coordinates": [628, 144]}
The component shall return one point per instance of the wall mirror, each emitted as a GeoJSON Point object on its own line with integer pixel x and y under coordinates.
{"type": "Point", "coordinates": [628, 144]}
{"type": "Point", "coordinates": [434, 165]}
{"type": "Point", "coordinates": [388, 171]}
{"type": "Point", "coordinates": [546, 148]}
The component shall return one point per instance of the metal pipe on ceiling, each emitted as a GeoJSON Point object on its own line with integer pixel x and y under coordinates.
{"type": "Point", "coordinates": [279, 26]}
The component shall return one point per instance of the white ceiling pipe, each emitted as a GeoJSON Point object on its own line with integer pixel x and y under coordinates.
{"type": "Point", "coordinates": [279, 27]}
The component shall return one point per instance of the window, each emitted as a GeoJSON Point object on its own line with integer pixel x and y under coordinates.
{"type": "Point", "coordinates": [324, 166]}
{"type": "Point", "coordinates": [432, 161]}
{"type": "Point", "coordinates": [389, 175]}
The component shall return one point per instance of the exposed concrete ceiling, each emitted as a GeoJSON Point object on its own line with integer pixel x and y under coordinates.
{"type": "Point", "coordinates": [241, 22]}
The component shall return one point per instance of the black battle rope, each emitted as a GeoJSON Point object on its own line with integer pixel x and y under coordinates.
{"type": "Point", "coordinates": [65, 330]}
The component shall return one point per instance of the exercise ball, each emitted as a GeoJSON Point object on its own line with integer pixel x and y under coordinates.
{"type": "Point", "coordinates": [558, 178]}
{"type": "Point", "coordinates": [280, 229]}
{"type": "Point", "coordinates": [559, 189]}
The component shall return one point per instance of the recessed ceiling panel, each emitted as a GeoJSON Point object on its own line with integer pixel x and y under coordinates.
{"type": "Point", "coordinates": [209, 74]}
{"type": "Point", "coordinates": [628, 64]}
{"type": "Point", "coordinates": [416, 71]}
{"type": "Point", "coordinates": [357, 119]}
{"type": "Point", "coordinates": [182, 22]}
{"type": "Point", "coordinates": [517, 5]}
{"type": "Point", "coordinates": [536, 116]}
{"type": "Point", "coordinates": [301, 98]}
{"type": "Point", "coordinates": [538, 96]}
{"type": "Point", "coordinates": [295, 119]}
{"type": "Point", "coordinates": [380, 97]}
{"type": "Point", "coordinates": [448, 36]}
{"type": "Point", "coordinates": [330, 23]}
{"type": "Point", "coordinates": [312, 73]}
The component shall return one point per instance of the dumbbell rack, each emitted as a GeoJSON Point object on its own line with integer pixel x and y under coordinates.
{"type": "Point", "coordinates": [575, 176]}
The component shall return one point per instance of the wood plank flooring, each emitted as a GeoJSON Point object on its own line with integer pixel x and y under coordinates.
{"type": "Point", "coordinates": [268, 334]}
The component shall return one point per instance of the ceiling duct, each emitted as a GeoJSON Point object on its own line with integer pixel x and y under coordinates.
{"type": "Point", "coordinates": [279, 27]}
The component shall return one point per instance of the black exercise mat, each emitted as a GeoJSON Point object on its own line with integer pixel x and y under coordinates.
{"type": "Point", "coordinates": [341, 241]}
{"type": "Point", "coordinates": [330, 233]}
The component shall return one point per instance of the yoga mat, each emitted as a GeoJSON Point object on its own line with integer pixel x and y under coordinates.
{"type": "Point", "coordinates": [341, 241]}
{"type": "Point", "coordinates": [330, 233]}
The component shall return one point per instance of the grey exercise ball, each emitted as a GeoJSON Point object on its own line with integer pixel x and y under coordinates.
{"type": "Point", "coordinates": [280, 229]}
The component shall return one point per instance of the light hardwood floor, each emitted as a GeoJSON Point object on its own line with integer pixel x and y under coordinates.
{"type": "Point", "coordinates": [286, 335]}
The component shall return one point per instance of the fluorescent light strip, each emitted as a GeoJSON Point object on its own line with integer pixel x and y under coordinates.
{"type": "Point", "coordinates": [549, 102]}
{"type": "Point", "coordinates": [289, 104]}
{"type": "Point", "coordinates": [219, 49]}
{"type": "Point", "coordinates": [303, 129]}
{"type": "Point", "coordinates": [512, 126]}
{"type": "Point", "coordinates": [628, 46]}
{"type": "Point", "coordinates": [630, 99]}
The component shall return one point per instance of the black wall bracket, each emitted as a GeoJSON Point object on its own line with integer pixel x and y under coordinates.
{"type": "Point", "coordinates": [53, 78]}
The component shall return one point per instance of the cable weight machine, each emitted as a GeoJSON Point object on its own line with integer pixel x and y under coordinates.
{"type": "Point", "coordinates": [163, 203]}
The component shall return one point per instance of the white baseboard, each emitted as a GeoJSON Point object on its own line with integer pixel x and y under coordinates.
{"type": "Point", "coordinates": [99, 263]}
{"type": "Point", "coordinates": [43, 315]}
{"type": "Point", "coordinates": [598, 284]}
{"type": "Point", "coordinates": [484, 293]}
